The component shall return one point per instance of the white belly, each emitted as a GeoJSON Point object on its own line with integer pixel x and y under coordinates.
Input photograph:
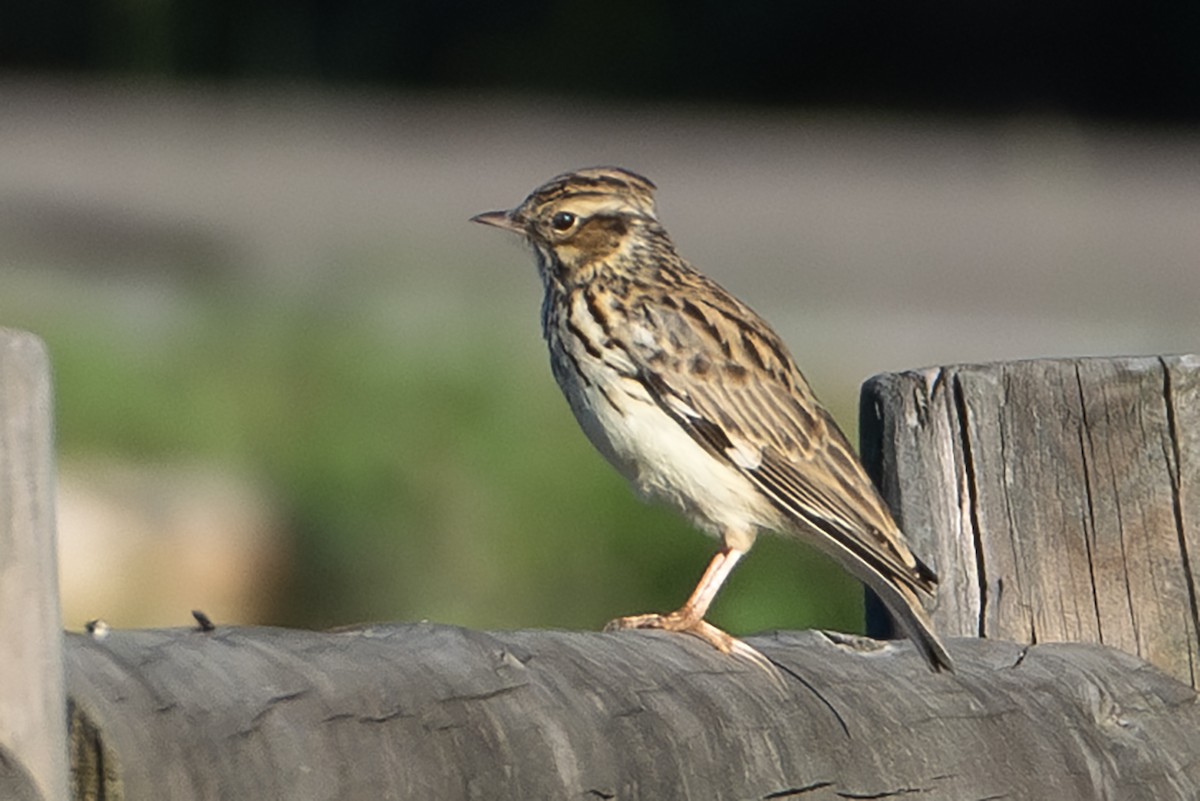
{"type": "Point", "coordinates": [662, 461]}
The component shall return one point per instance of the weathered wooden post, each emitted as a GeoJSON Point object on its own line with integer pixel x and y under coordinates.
{"type": "Point", "coordinates": [33, 719]}
{"type": "Point", "coordinates": [1060, 499]}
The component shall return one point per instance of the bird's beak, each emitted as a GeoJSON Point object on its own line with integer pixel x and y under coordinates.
{"type": "Point", "coordinates": [500, 219]}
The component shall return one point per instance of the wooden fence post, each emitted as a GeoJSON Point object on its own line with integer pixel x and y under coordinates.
{"type": "Point", "coordinates": [33, 718]}
{"type": "Point", "coordinates": [1059, 499]}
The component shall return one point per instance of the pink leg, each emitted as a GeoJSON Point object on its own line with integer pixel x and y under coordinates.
{"type": "Point", "coordinates": [696, 607]}
{"type": "Point", "coordinates": [690, 616]}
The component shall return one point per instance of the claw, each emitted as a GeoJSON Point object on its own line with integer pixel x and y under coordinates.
{"type": "Point", "coordinates": [722, 641]}
{"type": "Point", "coordinates": [672, 622]}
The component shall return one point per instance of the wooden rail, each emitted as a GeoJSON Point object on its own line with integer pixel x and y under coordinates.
{"type": "Point", "coordinates": [424, 711]}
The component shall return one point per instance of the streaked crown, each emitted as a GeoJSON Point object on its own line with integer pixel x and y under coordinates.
{"type": "Point", "coordinates": [553, 211]}
{"type": "Point", "coordinates": [595, 190]}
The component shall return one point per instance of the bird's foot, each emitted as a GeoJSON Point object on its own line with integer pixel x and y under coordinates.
{"type": "Point", "coordinates": [677, 621]}
{"type": "Point", "coordinates": [680, 621]}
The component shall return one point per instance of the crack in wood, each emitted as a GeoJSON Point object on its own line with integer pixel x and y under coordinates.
{"type": "Point", "coordinates": [792, 792]}
{"type": "Point", "coordinates": [1175, 468]}
{"type": "Point", "coordinates": [384, 717]}
{"type": "Point", "coordinates": [960, 408]}
{"type": "Point", "coordinates": [1131, 604]}
{"type": "Point", "coordinates": [818, 694]}
{"type": "Point", "coordinates": [883, 793]}
{"type": "Point", "coordinates": [487, 695]}
{"type": "Point", "coordinates": [1086, 447]}
{"type": "Point", "coordinates": [270, 705]}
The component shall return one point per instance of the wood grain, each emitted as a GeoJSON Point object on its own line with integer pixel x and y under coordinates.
{"type": "Point", "coordinates": [425, 711]}
{"type": "Point", "coordinates": [1058, 499]}
{"type": "Point", "coordinates": [32, 698]}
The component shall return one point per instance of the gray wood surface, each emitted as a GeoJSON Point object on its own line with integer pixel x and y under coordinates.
{"type": "Point", "coordinates": [1059, 500]}
{"type": "Point", "coordinates": [15, 782]}
{"type": "Point", "coordinates": [424, 711]}
{"type": "Point", "coordinates": [32, 700]}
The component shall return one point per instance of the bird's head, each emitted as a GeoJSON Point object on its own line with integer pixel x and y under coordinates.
{"type": "Point", "coordinates": [580, 217]}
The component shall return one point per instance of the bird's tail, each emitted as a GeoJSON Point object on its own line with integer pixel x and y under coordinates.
{"type": "Point", "coordinates": [906, 609]}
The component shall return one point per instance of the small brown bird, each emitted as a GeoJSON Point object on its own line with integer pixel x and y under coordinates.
{"type": "Point", "coordinates": [697, 402]}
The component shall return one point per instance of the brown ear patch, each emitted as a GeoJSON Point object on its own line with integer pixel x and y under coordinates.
{"type": "Point", "coordinates": [599, 237]}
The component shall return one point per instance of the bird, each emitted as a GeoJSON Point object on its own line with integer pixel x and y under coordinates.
{"type": "Point", "coordinates": [698, 403]}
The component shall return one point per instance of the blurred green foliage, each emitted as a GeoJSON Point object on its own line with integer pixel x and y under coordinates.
{"type": "Point", "coordinates": [431, 474]}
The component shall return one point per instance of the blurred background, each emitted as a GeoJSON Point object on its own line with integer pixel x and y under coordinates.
{"type": "Point", "coordinates": [295, 386]}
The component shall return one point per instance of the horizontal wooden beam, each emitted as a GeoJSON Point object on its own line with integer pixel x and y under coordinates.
{"type": "Point", "coordinates": [425, 711]}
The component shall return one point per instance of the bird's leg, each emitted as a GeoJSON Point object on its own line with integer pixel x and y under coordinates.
{"type": "Point", "coordinates": [690, 616]}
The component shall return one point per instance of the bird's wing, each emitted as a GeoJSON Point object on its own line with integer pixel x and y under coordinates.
{"type": "Point", "coordinates": [724, 376]}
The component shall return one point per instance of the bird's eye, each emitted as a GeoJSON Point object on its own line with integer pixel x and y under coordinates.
{"type": "Point", "coordinates": [562, 221]}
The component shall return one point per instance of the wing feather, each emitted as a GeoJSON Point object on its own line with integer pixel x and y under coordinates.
{"type": "Point", "coordinates": [767, 423]}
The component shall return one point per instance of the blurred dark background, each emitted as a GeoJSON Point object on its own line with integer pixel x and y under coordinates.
{"type": "Point", "coordinates": [295, 386]}
{"type": "Point", "coordinates": [1111, 59]}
